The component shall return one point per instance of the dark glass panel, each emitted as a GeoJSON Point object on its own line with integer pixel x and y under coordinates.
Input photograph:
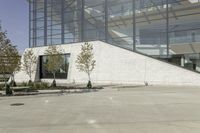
{"type": "Point", "coordinates": [62, 73]}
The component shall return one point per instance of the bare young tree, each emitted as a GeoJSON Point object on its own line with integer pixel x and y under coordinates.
{"type": "Point", "coordinates": [54, 61]}
{"type": "Point", "coordinates": [29, 62]}
{"type": "Point", "coordinates": [85, 61]}
{"type": "Point", "coordinates": [9, 56]}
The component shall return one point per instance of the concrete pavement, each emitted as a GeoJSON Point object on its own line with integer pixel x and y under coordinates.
{"type": "Point", "coordinates": [112, 110]}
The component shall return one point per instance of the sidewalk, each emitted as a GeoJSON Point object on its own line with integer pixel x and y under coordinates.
{"type": "Point", "coordinates": [51, 92]}
{"type": "Point", "coordinates": [39, 92]}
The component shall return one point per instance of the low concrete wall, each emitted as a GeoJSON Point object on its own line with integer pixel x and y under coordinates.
{"type": "Point", "coordinates": [115, 65]}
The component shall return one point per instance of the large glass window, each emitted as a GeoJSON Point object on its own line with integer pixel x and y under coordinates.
{"type": "Point", "coordinates": [184, 26]}
{"type": "Point", "coordinates": [153, 27]}
{"type": "Point", "coordinates": [55, 22]}
{"type": "Point", "coordinates": [94, 21]}
{"type": "Point", "coordinates": [120, 23]}
{"type": "Point", "coordinates": [72, 21]}
{"type": "Point", "coordinates": [62, 73]}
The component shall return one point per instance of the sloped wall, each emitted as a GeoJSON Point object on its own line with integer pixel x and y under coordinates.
{"type": "Point", "coordinates": [115, 65]}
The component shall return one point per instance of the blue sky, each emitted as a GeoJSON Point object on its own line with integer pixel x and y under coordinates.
{"type": "Point", "coordinates": [15, 20]}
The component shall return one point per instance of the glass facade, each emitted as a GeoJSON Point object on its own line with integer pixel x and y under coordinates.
{"type": "Point", "coordinates": [62, 73]}
{"type": "Point", "coordinates": [153, 27]}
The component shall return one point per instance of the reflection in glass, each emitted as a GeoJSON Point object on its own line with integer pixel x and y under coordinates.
{"type": "Point", "coordinates": [152, 27]}
{"type": "Point", "coordinates": [62, 73]}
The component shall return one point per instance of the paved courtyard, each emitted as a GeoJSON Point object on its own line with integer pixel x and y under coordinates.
{"type": "Point", "coordinates": [112, 110]}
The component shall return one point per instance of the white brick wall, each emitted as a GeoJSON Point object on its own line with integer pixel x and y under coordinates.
{"type": "Point", "coordinates": [119, 66]}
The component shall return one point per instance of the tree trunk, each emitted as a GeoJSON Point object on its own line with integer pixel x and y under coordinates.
{"type": "Point", "coordinates": [13, 77]}
{"type": "Point", "coordinates": [54, 76]}
{"type": "Point", "coordinates": [4, 77]}
{"type": "Point", "coordinates": [89, 77]}
{"type": "Point", "coordinates": [54, 80]}
{"type": "Point", "coordinates": [13, 80]}
{"type": "Point", "coordinates": [30, 78]}
{"type": "Point", "coordinates": [89, 84]}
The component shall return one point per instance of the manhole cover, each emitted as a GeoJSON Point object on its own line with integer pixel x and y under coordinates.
{"type": "Point", "coordinates": [17, 104]}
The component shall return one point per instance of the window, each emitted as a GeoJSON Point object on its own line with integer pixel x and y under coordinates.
{"type": "Point", "coordinates": [62, 73]}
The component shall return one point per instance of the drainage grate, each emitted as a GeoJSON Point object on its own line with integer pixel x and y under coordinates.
{"type": "Point", "coordinates": [17, 104]}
